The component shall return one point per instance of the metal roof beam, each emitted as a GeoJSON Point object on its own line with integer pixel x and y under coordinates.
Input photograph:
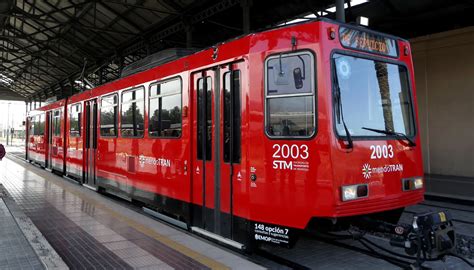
{"type": "Point", "coordinates": [19, 32]}
{"type": "Point", "coordinates": [147, 8]}
{"type": "Point", "coordinates": [62, 33]}
{"type": "Point", "coordinates": [20, 14]}
{"type": "Point", "coordinates": [36, 56]}
{"type": "Point", "coordinates": [95, 29]}
{"type": "Point", "coordinates": [122, 16]}
{"type": "Point", "coordinates": [56, 10]}
{"type": "Point", "coordinates": [174, 5]}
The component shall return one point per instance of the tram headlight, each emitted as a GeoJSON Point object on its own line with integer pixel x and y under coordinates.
{"type": "Point", "coordinates": [353, 192]}
{"type": "Point", "coordinates": [412, 183]}
{"type": "Point", "coordinates": [418, 183]}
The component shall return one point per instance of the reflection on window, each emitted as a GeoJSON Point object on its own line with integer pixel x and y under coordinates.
{"type": "Point", "coordinates": [109, 116]}
{"type": "Point", "coordinates": [291, 116]}
{"type": "Point", "coordinates": [31, 126]}
{"type": "Point", "coordinates": [35, 124]}
{"type": "Point", "coordinates": [374, 95]}
{"type": "Point", "coordinates": [75, 120]}
{"type": "Point", "coordinates": [42, 124]}
{"type": "Point", "coordinates": [290, 95]}
{"type": "Point", "coordinates": [57, 123]}
{"type": "Point", "coordinates": [204, 110]}
{"type": "Point", "coordinates": [232, 114]}
{"type": "Point", "coordinates": [38, 126]}
{"type": "Point", "coordinates": [286, 74]}
{"type": "Point", "coordinates": [165, 109]}
{"type": "Point", "coordinates": [132, 119]}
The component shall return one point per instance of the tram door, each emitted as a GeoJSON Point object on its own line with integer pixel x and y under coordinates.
{"type": "Point", "coordinates": [216, 147]}
{"type": "Point", "coordinates": [90, 143]}
{"type": "Point", "coordinates": [49, 117]}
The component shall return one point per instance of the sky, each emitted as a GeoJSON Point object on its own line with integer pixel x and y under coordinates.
{"type": "Point", "coordinates": [15, 115]}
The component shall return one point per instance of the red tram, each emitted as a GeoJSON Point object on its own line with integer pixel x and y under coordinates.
{"type": "Point", "coordinates": [253, 139]}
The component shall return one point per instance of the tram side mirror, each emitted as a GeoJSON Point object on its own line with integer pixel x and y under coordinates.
{"type": "Point", "coordinates": [298, 78]}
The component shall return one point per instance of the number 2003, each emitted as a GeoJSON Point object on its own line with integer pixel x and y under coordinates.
{"type": "Point", "coordinates": [381, 151]}
{"type": "Point", "coordinates": [294, 151]}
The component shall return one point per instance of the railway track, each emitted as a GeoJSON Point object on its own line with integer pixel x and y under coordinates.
{"type": "Point", "coordinates": [461, 214]}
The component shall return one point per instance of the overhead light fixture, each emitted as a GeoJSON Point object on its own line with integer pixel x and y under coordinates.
{"type": "Point", "coordinates": [361, 20]}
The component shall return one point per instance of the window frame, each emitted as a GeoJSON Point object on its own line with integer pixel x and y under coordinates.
{"type": "Point", "coordinates": [35, 125]}
{"type": "Point", "coordinates": [231, 74]}
{"type": "Point", "coordinates": [379, 58]}
{"type": "Point", "coordinates": [313, 93]}
{"type": "Point", "coordinates": [119, 127]}
{"type": "Point", "coordinates": [42, 124]}
{"type": "Point", "coordinates": [153, 97]}
{"type": "Point", "coordinates": [31, 122]}
{"type": "Point", "coordinates": [79, 115]}
{"type": "Point", "coordinates": [116, 118]}
{"type": "Point", "coordinates": [57, 115]}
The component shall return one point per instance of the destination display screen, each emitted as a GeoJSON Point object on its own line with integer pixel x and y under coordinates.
{"type": "Point", "coordinates": [366, 41]}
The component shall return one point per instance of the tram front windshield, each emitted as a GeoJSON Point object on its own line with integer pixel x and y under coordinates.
{"type": "Point", "coordinates": [371, 94]}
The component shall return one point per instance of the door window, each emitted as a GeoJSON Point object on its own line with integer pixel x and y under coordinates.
{"type": "Point", "coordinates": [232, 114]}
{"type": "Point", "coordinates": [290, 98]}
{"type": "Point", "coordinates": [75, 120]}
{"type": "Point", "coordinates": [204, 120]}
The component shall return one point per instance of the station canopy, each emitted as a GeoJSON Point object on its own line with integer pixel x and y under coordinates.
{"type": "Point", "coordinates": [55, 48]}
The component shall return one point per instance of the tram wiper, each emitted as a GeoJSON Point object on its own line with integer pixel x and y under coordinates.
{"type": "Point", "coordinates": [393, 133]}
{"type": "Point", "coordinates": [339, 111]}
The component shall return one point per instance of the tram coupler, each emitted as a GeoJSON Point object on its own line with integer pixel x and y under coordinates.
{"type": "Point", "coordinates": [430, 235]}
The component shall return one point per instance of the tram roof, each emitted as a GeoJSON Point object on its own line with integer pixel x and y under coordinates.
{"type": "Point", "coordinates": [58, 48]}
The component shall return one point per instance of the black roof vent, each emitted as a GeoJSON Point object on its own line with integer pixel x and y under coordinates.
{"type": "Point", "coordinates": [155, 60]}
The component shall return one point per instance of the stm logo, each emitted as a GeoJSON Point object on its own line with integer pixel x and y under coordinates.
{"type": "Point", "coordinates": [366, 171]}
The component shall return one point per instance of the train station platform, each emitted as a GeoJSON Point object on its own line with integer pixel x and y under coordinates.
{"type": "Point", "coordinates": [48, 222]}
{"type": "Point", "coordinates": [83, 230]}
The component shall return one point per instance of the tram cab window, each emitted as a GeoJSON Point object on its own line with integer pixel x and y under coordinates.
{"type": "Point", "coordinates": [109, 116]}
{"type": "Point", "coordinates": [132, 118]}
{"type": "Point", "coordinates": [289, 92]}
{"type": "Point", "coordinates": [57, 123]}
{"type": "Point", "coordinates": [75, 120]}
{"type": "Point", "coordinates": [373, 95]}
{"type": "Point", "coordinates": [165, 118]}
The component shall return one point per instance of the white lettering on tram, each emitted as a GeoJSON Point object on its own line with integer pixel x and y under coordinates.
{"type": "Point", "coordinates": [368, 171]}
{"type": "Point", "coordinates": [162, 162]}
{"type": "Point", "coordinates": [290, 157]}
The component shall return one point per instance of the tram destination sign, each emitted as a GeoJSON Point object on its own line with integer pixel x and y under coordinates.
{"type": "Point", "coordinates": [367, 41]}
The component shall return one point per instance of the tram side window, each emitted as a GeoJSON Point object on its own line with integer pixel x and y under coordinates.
{"type": "Point", "coordinates": [41, 123]}
{"type": "Point", "coordinates": [232, 113]}
{"type": "Point", "coordinates": [132, 120]}
{"type": "Point", "coordinates": [289, 92]}
{"type": "Point", "coordinates": [75, 121]}
{"type": "Point", "coordinates": [165, 117]}
{"type": "Point", "coordinates": [109, 116]}
{"type": "Point", "coordinates": [36, 125]}
{"type": "Point", "coordinates": [57, 123]}
{"type": "Point", "coordinates": [31, 126]}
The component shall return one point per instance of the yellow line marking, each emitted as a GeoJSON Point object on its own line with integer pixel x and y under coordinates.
{"type": "Point", "coordinates": [213, 264]}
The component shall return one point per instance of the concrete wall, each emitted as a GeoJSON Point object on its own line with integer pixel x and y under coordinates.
{"type": "Point", "coordinates": [444, 74]}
